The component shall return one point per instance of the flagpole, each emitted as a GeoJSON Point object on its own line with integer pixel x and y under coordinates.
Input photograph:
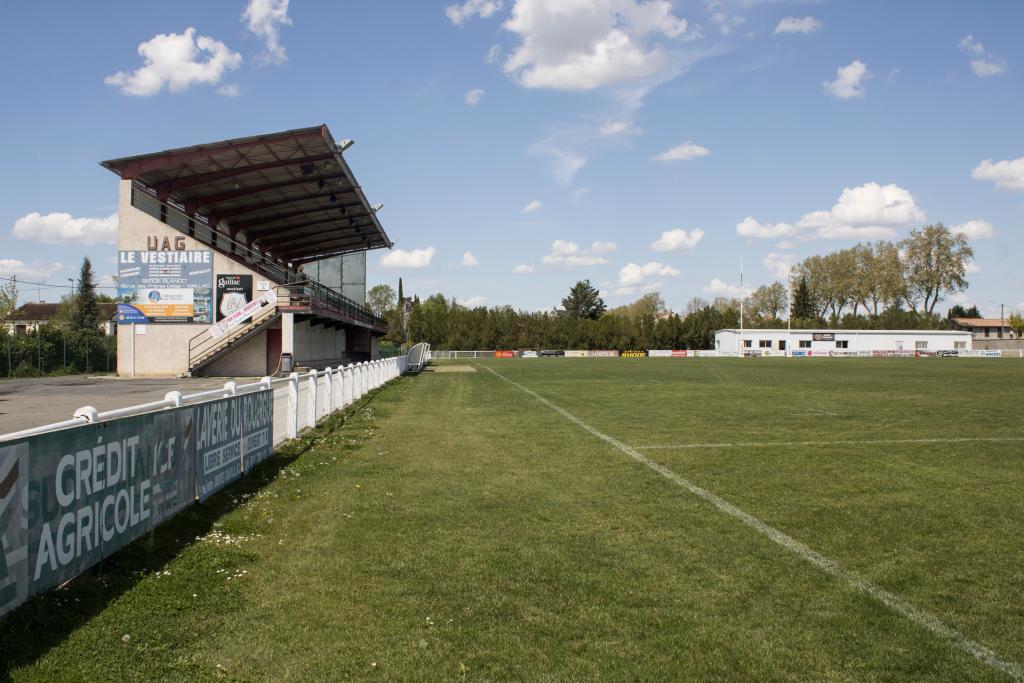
{"type": "Point", "coordinates": [742, 297]}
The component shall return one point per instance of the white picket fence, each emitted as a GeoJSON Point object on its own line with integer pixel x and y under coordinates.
{"type": "Point", "coordinates": [300, 400]}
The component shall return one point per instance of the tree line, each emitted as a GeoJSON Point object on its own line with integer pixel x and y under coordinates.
{"type": "Point", "coordinates": [880, 285]}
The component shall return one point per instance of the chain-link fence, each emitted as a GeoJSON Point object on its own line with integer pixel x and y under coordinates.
{"type": "Point", "coordinates": [52, 350]}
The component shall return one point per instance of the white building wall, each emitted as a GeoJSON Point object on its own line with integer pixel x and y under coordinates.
{"type": "Point", "coordinates": [856, 341]}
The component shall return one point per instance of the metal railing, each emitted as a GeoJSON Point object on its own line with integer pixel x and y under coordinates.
{"type": "Point", "coordinates": [303, 288]}
{"type": "Point", "coordinates": [300, 400]}
{"type": "Point", "coordinates": [203, 348]}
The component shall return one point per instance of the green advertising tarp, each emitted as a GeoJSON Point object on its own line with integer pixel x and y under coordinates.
{"type": "Point", "coordinates": [72, 497]}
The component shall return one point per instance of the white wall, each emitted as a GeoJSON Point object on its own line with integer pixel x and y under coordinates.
{"type": "Point", "coordinates": [858, 340]}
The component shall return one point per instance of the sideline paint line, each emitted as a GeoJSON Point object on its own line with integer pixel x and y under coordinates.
{"type": "Point", "coordinates": [837, 442]}
{"type": "Point", "coordinates": [891, 600]}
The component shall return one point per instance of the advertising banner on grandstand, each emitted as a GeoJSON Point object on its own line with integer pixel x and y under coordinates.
{"type": "Point", "coordinates": [72, 497]}
{"type": "Point", "coordinates": [242, 314]}
{"type": "Point", "coordinates": [597, 353]}
{"type": "Point", "coordinates": [633, 354]}
{"type": "Point", "coordinates": [823, 336]}
{"type": "Point", "coordinates": [504, 354]}
{"type": "Point", "coordinates": [530, 354]}
{"type": "Point", "coordinates": [233, 293]}
{"type": "Point", "coordinates": [575, 354]}
{"type": "Point", "coordinates": [167, 286]}
{"type": "Point", "coordinates": [666, 353]}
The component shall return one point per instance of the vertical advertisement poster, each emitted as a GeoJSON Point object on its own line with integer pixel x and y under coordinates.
{"type": "Point", "coordinates": [165, 286]}
{"type": "Point", "coordinates": [233, 293]}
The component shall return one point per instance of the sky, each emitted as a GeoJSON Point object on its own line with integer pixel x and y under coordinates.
{"type": "Point", "coordinates": [521, 145]}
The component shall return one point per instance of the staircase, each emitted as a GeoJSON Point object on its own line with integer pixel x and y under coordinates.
{"type": "Point", "coordinates": [204, 349]}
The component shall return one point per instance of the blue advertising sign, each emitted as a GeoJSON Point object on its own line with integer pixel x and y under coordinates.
{"type": "Point", "coordinates": [168, 286]}
{"type": "Point", "coordinates": [257, 427]}
{"type": "Point", "coordinates": [218, 445]}
{"type": "Point", "coordinates": [129, 315]}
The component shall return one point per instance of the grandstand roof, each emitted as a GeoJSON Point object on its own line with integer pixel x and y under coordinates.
{"type": "Point", "coordinates": [290, 193]}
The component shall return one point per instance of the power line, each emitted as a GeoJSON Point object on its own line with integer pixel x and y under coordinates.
{"type": "Point", "coordinates": [45, 284]}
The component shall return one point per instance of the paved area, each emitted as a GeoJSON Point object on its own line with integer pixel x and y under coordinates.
{"type": "Point", "coordinates": [26, 403]}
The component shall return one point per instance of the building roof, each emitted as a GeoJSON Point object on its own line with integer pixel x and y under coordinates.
{"type": "Point", "coordinates": [981, 322]}
{"type": "Point", "coordinates": [291, 194]}
{"type": "Point", "coordinates": [44, 312]}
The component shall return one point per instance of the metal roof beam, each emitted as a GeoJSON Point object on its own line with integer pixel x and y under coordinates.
{"type": "Point", "coordinates": [338, 242]}
{"type": "Point", "coordinates": [258, 225]}
{"type": "Point", "coordinates": [212, 199]}
{"type": "Point", "coordinates": [286, 236]}
{"type": "Point", "coordinates": [227, 214]}
{"type": "Point", "coordinates": [177, 185]}
{"type": "Point", "coordinates": [302, 230]}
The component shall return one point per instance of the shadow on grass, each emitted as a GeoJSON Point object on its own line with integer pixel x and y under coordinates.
{"type": "Point", "coordinates": [46, 620]}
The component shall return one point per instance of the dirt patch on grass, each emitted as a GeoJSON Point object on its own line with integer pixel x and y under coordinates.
{"type": "Point", "coordinates": [449, 368]}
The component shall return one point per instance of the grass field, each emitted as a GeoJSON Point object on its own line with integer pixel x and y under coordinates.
{"type": "Point", "coordinates": [549, 522]}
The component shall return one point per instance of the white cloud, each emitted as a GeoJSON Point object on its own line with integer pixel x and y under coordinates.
{"type": "Point", "coordinates": [622, 127]}
{"type": "Point", "coordinates": [869, 211]}
{"type": "Point", "coordinates": [984, 63]}
{"type": "Point", "coordinates": [62, 229]}
{"type": "Point", "coordinates": [458, 14]}
{"type": "Point", "coordinates": [683, 152]}
{"type": "Point", "coordinates": [678, 240]}
{"type": "Point", "coordinates": [565, 162]}
{"type": "Point", "coordinates": [494, 54]}
{"type": "Point", "coordinates": [469, 261]}
{"type": "Point", "coordinates": [228, 90]}
{"type": "Point", "coordinates": [566, 253]}
{"type": "Point", "coordinates": [474, 301]}
{"type": "Point", "coordinates": [263, 18]}
{"type": "Point", "coordinates": [977, 229]}
{"type": "Point", "coordinates": [522, 269]}
{"type": "Point", "coordinates": [173, 60]}
{"type": "Point", "coordinates": [37, 270]}
{"type": "Point", "coordinates": [749, 227]}
{"type": "Point", "coordinates": [797, 25]}
{"type": "Point", "coordinates": [719, 287]}
{"type": "Point", "coordinates": [1006, 174]}
{"type": "Point", "coordinates": [983, 67]}
{"type": "Point", "coordinates": [415, 258]}
{"type": "Point", "coordinates": [582, 45]}
{"type": "Point", "coordinates": [972, 267]}
{"type": "Point", "coordinates": [779, 265]}
{"type": "Point", "coordinates": [532, 206]}
{"type": "Point", "coordinates": [633, 274]}
{"type": "Point", "coordinates": [474, 96]}
{"type": "Point", "coordinates": [849, 82]}
{"type": "Point", "coordinates": [636, 289]}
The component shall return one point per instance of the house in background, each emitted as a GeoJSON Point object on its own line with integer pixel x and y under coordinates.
{"type": "Point", "coordinates": [30, 316]}
{"type": "Point", "coordinates": [990, 333]}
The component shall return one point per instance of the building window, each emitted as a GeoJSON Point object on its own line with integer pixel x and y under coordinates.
{"type": "Point", "coordinates": [960, 346]}
{"type": "Point", "coordinates": [920, 346]}
{"type": "Point", "coordinates": [805, 343]}
{"type": "Point", "coordinates": [843, 344]}
{"type": "Point", "coordinates": [782, 345]}
{"type": "Point", "coordinates": [986, 331]}
{"type": "Point", "coordinates": [747, 343]}
{"type": "Point", "coordinates": [764, 343]}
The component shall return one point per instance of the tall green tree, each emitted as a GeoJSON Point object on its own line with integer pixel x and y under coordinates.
{"type": "Point", "coordinates": [381, 300]}
{"type": "Point", "coordinates": [584, 302]}
{"type": "Point", "coordinates": [803, 307]}
{"type": "Point", "coordinates": [936, 264]}
{"type": "Point", "coordinates": [8, 299]}
{"type": "Point", "coordinates": [958, 311]}
{"type": "Point", "coordinates": [86, 313]}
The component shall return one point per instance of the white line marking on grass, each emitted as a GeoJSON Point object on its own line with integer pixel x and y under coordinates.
{"type": "Point", "coordinates": [837, 442]}
{"type": "Point", "coordinates": [892, 601]}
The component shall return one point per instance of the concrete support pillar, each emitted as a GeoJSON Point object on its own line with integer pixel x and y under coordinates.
{"type": "Point", "coordinates": [288, 333]}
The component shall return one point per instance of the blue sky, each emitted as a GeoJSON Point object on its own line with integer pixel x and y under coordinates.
{"type": "Point", "coordinates": [656, 142]}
